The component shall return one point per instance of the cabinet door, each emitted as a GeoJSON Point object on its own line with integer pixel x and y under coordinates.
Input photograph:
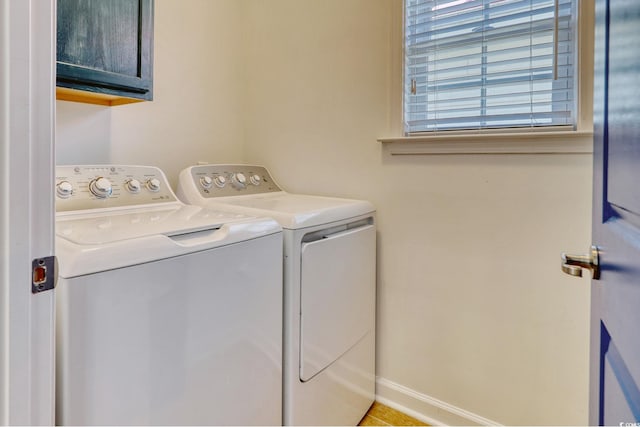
{"type": "Point", "coordinates": [106, 46]}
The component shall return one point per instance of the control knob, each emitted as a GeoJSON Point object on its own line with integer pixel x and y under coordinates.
{"type": "Point", "coordinates": [132, 186]}
{"type": "Point", "coordinates": [220, 181]}
{"type": "Point", "coordinates": [64, 189]}
{"type": "Point", "coordinates": [255, 179]}
{"type": "Point", "coordinates": [100, 187]}
{"type": "Point", "coordinates": [239, 180]}
{"type": "Point", "coordinates": [206, 182]}
{"type": "Point", "coordinates": [153, 184]}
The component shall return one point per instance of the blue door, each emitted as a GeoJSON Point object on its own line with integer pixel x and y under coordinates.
{"type": "Point", "coordinates": [615, 297]}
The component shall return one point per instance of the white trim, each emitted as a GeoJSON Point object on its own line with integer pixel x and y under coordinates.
{"type": "Point", "coordinates": [27, 117]}
{"type": "Point", "coordinates": [4, 211]}
{"type": "Point", "coordinates": [425, 408]}
{"type": "Point", "coordinates": [558, 142]}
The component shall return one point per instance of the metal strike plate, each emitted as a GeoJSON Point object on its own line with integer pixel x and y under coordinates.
{"type": "Point", "coordinates": [44, 274]}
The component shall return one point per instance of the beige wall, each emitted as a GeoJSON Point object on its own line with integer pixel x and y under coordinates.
{"type": "Point", "coordinates": [196, 114]}
{"type": "Point", "coordinates": [473, 310]}
{"type": "Point", "coordinates": [475, 318]}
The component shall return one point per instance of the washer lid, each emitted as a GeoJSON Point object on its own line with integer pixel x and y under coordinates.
{"type": "Point", "coordinates": [293, 211]}
{"type": "Point", "coordinates": [118, 226]}
{"type": "Point", "coordinates": [87, 244]}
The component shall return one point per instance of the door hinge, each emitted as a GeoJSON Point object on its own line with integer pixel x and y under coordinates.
{"type": "Point", "coordinates": [44, 274]}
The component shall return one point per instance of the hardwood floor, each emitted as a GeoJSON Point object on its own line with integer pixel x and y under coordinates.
{"type": "Point", "coordinates": [382, 415]}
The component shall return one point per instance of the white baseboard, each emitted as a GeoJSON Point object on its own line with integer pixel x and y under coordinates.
{"type": "Point", "coordinates": [425, 408]}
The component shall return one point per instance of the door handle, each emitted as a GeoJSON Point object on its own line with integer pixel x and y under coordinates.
{"type": "Point", "coordinates": [573, 264]}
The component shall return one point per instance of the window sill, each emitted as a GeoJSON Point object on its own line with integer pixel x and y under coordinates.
{"type": "Point", "coordinates": [550, 142]}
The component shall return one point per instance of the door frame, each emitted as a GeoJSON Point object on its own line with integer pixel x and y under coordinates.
{"type": "Point", "coordinates": [27, 131]}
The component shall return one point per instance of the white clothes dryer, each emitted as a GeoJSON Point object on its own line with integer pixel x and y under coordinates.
{"type": "Point", "coordinates": [167, 314]}
{"type": "Point", "coordinates": [329, 288]}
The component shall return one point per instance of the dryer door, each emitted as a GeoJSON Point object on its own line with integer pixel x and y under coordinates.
{"type": "Point", "coordinates": [337, 296]}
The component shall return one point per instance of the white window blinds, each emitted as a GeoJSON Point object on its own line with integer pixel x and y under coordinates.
{"type": "Point", "coordinates": [478, 64]}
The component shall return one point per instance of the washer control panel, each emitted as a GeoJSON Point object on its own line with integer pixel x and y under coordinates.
{"type": "Point", "coordinates": [109, 186]}
{"type": "Point", "coordinates": [232, 180]}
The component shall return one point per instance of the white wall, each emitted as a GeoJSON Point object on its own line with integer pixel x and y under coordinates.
{"type": "Point", "coordinates": [196, 113]}
{"type": "Point", "coordinates": [473, 310]}
{"type": "Point", "coordinates": [472, 307]}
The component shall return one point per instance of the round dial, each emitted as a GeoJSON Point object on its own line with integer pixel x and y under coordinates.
{"type": "Point", "coordinates": [239, 180]}
{"type": "Point", "coordinates": [206, 181]}
{"type": "Point", "coordinates": [64, 189]}
{"type": "Point", "coordinates": [153, 184]}
{"type": "Point", "coordinates": [220, 181]}
{"type": "Point", "coordinates": [255, 179]}
{"type": "Point", "coordinates": [101, 187]}
{"type": "Point", "coordinates": [132, 186]}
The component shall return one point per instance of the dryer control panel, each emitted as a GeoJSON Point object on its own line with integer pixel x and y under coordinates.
{"type": "Point", "coordinates": [231, 180]}
{"type": "Point", "coordinates": [109, 186]}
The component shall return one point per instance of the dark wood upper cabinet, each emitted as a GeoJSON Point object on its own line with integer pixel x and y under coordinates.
{"type": "Point", "coordinates": [105, 50]}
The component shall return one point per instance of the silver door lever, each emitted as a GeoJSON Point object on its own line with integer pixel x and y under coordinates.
{"type": "Point", "coordinates": [573, 264]}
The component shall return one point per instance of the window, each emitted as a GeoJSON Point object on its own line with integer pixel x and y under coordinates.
{"type": "Point", "coordinates": [484, 64]}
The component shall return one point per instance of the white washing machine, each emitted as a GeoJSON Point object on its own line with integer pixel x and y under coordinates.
{"type": "Point", "coordinates": [329, 288]}
{"type": "Point", "coordinates": [167, 314]}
